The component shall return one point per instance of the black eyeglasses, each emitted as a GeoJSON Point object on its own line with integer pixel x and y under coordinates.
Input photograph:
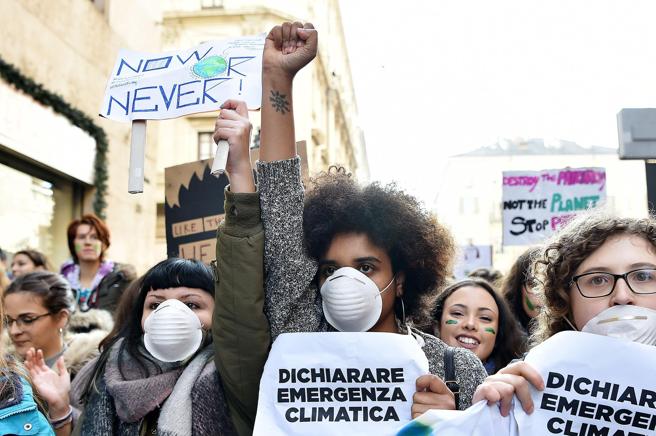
{"type": "Point", "coordinates": [602, 284]}
{"type": "Point", "coordinates": [22, 320]}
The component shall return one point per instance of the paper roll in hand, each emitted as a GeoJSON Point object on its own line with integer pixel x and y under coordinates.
{"type": "Point", "coordinates": [221, 157]}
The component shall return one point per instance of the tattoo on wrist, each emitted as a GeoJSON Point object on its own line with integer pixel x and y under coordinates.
{"type": "Point", "coordinates": [279, 102]}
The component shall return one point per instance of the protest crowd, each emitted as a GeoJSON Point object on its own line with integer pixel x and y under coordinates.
{"type": "Point", "coordinates": [91, 348]}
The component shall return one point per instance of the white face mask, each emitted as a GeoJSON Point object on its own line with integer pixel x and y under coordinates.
{"type": "Point", "coordinates": [172, 332]}
{"type": "Point", "coordinates": [633, 323]}
{"type": "Point", "coordinates": [351, 300]}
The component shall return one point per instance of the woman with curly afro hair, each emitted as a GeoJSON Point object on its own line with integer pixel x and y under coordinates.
{"type": "Point", "coordinates": [347, 257]}
{"type": "Point", "coordinates": [599, 269]}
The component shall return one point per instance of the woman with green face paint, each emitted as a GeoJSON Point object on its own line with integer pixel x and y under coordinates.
{"type": "Point", "coordinates": [519, 290]}
{"type": "Point", "coordinates": [471, 314]}
{"type": "Point", "coordinates": [97, 282]}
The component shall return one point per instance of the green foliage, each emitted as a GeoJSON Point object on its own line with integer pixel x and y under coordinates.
{"type": "Point", "coordinates": [78, 118]}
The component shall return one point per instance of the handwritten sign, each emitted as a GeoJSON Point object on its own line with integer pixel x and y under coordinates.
{"type": "Point", "coordinates": [193, 210]}
{"type": "Point", "coordinates": [169, 85]}
{"type": "Point", "coordinates": [588, 391]}
{"type": "Point", "coordinates": [339, 383]}
{"type": "Point", "coordinates": [538, 203]}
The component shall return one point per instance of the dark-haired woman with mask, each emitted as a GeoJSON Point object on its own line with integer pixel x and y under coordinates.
{"type": "Point", "coordinates": [351, 257]}
{"type": "Point", "coordinates": [157, 375]}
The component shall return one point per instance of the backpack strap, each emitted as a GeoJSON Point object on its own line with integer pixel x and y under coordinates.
{"type": "Point", "coordinates": [450, 374]}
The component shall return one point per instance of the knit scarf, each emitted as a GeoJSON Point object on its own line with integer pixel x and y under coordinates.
{"type": "Point", "coordinates": [133, 395]}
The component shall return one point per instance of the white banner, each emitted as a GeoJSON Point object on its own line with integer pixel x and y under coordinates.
{"type": "Point", "coordinates": [339, 383]}
{"type": "Point", "coordinates": [147, 86]}
{"type": "Point", "coordinates": [594, 386]}
{"type": "Point", "coordinates": [537, 203]}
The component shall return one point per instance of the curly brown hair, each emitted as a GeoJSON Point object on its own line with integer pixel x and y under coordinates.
{"type": "Point", "coordinates": [415, 241]}
{"type": "Point", "coordinates": [560, 258]}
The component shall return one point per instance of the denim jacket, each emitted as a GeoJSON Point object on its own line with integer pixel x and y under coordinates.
{"type": "Point", "coordinates": [19, 414]}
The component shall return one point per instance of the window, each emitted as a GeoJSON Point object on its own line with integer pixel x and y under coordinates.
{"type": "Point", "coordinates": [35, 211]}
{"type": "Point", "coordinates": [206, 145]}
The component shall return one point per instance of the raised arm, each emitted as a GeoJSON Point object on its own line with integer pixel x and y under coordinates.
{"type": "Point", "coordinates": [239, 327]}
{"type": "Point", "coordinates": [291, 302]}
{"type": "Point", "coordinates": [287, 49]}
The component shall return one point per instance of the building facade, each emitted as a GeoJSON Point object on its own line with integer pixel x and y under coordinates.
{"type": "Point", "coordinates": [46, 159]}
{"type": "Point", "coordinates": [55, 60]}
{"type": "Point", "coordinates": [470, 198]}
{"type": "Point", "coordinates": [325, 107]}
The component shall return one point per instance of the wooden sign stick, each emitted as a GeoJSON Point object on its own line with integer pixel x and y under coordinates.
{"type": "Point", "coordinates": [137, 157]}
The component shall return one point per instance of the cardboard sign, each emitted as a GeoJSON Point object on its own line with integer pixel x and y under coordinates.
{"type": "Point", "coordinates": [537, 203]}
{"type": "Point", "coordinates": [472, 257]}
{"type": "Point", "coordinates": [193, 210]}
{"type": "Point", "coordinates": [594, 385]}
{"type": "Point", "coordinates": [339, 383]}
{"type": "Point", "coordinates": [155, 86]}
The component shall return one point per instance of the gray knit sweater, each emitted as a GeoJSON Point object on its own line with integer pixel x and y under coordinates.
{"type": "Point", "coordinates": [292, 300]}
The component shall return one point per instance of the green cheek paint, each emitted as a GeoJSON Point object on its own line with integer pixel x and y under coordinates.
{"type": "Point", "coordinates": [490, 330]}
{"type": "Point", "coordinates": [530, 305]}
{"type": "Point", "coordinates": [451, 321]}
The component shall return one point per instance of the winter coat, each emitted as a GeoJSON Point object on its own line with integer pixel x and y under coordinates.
{"type": "Point", "coordinates": [18, 411]}
{"type": "Point", "coordinates": [239, 326]}
{"type": "Point", "coordinates": [108, 292]}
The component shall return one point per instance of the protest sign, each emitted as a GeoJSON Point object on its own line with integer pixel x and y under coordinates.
{"type": "Point", "coordinates": [193, 210]}
{"type": "Point", "coordinates": [157, 86]}
{"type": "Point", "coordinates": [537, 203]}
{"type": "Point", "coordinates": [339, 383]}
{"type": "Point", "coordinates": [146, 86]}
{"type": "Point", "coordinates": [594, 386]}
{"type": "Point", "coordinates": [471, 257]}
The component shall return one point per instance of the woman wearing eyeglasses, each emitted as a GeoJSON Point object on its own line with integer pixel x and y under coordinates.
{"type": "Point", "coordinates": [38, 310]}
{"type": "Point", "coordinates": [598, 268]}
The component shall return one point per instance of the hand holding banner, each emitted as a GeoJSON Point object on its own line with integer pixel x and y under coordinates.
{"type": "Point", "coordinates": [594, 385]}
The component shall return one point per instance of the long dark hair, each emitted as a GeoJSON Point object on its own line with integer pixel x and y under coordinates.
{"type": "Point", "coordinates": [169, 273]}
{"type": "Point", "coordinates": [508, 344]}
{"type": "Point", "coordinates": [511, 288]}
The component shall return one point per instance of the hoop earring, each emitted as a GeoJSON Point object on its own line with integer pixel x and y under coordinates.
{"type": "Point", "coordinates": [402, 310]}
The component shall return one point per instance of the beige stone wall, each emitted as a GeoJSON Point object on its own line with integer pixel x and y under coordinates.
{"type": "Point", "coordinates": [70, 46]}
{"type": "Point", "coordinates": [325, 107]}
